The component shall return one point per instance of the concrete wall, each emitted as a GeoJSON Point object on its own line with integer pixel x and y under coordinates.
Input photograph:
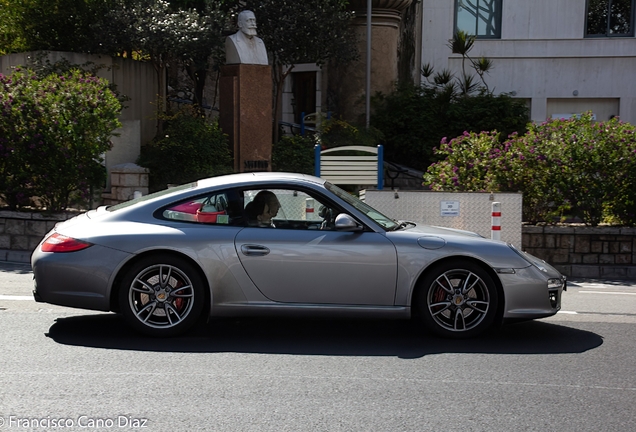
{"type": "Point", "coordinates": [543, 56]}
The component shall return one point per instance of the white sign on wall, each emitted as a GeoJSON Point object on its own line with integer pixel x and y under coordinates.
{"type": "Point", "coordinates": [449, 208]}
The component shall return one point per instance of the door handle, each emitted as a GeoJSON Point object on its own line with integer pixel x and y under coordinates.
{"type": "Point", "coordinates": [254, 250]}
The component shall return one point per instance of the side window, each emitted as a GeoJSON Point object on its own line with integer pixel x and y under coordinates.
{"type": "Point", "coordinates": [481, 18]}
{"type": "Point", "coordinates": [287, 209]}
{"type": "Point", "coordinates": [609, 18]}
{"type": "Point", "coordinates": [210, 209]}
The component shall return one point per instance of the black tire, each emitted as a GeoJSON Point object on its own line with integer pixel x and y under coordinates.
{"type": "Point", "coordinates": [457, 299]}
{"type": "Point", "coordinates": [162, 295]}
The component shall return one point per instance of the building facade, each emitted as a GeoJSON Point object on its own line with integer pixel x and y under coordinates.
{"type": "Point", "coordinates": [564, 57]}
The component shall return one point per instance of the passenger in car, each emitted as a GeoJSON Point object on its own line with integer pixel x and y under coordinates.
{"type": "Point", "coordinates": [262, 209]}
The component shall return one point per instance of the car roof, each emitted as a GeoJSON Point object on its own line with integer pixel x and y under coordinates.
{"type": "Point", "coordinates": [259, 177]}
{"type": "Point", "coordinates": [160, 198]}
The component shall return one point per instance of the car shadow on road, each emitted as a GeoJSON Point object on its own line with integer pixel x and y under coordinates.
{"type": "Point", "coordinates": [358, 337]}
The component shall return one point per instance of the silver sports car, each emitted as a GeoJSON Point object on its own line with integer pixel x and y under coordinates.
{"type": "Point", "coordinates": [276, 243]}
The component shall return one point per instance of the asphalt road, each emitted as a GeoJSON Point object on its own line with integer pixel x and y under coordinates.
{"type": "Point", "coordinates": [87, 371]}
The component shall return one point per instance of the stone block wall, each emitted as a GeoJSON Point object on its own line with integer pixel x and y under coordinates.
{"type": "Point", "coordinates": [21, 232]}
{"type": "Point", "coordinates": [586, 252]}
{"type": "Point", "coordinates": [125, 180]}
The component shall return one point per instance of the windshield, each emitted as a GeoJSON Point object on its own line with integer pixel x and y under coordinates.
{"type": "Point", "coordinates": [384, 221]}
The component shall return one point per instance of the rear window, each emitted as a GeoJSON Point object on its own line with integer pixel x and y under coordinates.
{"type": "Point", "coordinates": [212, 209]}
{"type": "Point", "coordinates": [125, 204]}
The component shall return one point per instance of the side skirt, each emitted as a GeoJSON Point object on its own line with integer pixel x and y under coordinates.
{"type": "Point", "coordinates": [310, 310]}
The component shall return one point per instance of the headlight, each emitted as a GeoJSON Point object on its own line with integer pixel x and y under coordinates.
{"type": "Point", "coordinates": [555, 283]}
{"type": "Point", "coordinates": [538, 263]}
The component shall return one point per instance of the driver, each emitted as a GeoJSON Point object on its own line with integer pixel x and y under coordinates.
{"type": "Point", "coordinates": [262, 209]}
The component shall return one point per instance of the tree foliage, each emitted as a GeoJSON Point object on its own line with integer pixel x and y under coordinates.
{"type": "Point", "coordinates": [11, 35]}
{"type": "Point", "coordinates": [62, 25]}
{"type": "Point", "coordinates": [157, 31]}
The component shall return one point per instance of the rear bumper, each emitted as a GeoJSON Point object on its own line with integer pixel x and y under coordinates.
{"type": "Point", "coordinates": [77, 279]}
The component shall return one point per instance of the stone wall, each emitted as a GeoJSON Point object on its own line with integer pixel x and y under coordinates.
{"type": "Point", "coordinates": [126, 182]}
{"type": "Point", "coordinates": [21, 232]}
{"type": "Point", "coordinates": [586, 252]}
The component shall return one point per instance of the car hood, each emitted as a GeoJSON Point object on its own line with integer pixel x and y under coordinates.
{"type": "Point", "coordinates": [435, 230]}
{"type": "Point", "coordinates": [454, 242]}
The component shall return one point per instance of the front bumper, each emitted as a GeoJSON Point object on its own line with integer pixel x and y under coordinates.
{"type": "Point", "coordinates": [527, 295]}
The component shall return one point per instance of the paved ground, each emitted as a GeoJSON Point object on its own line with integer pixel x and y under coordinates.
{"type": "Point", "coordinates": [570, 372]}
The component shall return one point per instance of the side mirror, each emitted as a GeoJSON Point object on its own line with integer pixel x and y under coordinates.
{"type": "Point", "coordinates": [344, 222]}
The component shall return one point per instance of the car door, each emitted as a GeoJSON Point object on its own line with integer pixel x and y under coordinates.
{"type": "Point", "coordinates": [299, 263]}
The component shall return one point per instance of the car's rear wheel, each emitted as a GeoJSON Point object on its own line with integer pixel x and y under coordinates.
{"type": "Point", "coordinates": [162, 295]}
{"type": "Point", "coordinates": [458, 299]}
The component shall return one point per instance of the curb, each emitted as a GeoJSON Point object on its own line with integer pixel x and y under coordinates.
{"type": "Point", "coordinates": [22, 257]}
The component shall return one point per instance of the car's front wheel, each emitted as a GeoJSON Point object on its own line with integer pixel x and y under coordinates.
{"type": "Point", "coordinates": [162, 295]}
{"type": "Point", "coordinates": [458, 299]}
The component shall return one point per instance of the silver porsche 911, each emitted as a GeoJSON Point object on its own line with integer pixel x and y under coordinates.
{"type": "Point", "coordinates": [275, 243]}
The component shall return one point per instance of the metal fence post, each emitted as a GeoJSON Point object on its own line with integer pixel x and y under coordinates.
{"type": "Point", "coordinates": [317, 150]}
{"type": "Point", "coordinates": [380, 167]}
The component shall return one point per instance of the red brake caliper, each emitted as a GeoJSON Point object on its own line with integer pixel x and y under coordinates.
{"type": "Point", "coordinates": [178, 302]}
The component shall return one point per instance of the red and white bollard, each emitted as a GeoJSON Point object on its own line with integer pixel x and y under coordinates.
{"type": "Point", "coordinates": [309, 206]}
{"type": "Point", "coordinates": [495, 232]}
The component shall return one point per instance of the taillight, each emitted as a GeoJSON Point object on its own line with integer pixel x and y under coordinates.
{"type": "Point", "coordinates": [60, 243]}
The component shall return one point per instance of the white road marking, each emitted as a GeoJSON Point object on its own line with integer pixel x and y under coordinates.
{"type": "Point", "coordinates": [608, 292]}
{"type": "Point", "coordinates": [568, 312]}
{"type": "Point", "coordinates": [15, 297]}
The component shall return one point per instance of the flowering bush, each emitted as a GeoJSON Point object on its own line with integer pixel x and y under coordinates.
{"type": "Point", "coordinates": [53, 131]}
{"type": "Point", "coordinates": [572, 167]}
{"type": "Point", "coordinates": [467, 163]}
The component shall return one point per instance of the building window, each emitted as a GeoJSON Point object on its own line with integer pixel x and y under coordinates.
{"type": "Point", "coordinates": [481, 18]}
{"type": "Point", "coordinates": [610, 18]}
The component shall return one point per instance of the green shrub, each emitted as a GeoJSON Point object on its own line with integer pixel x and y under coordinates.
{"type": "Point", "coordinates": [190, 148]}
{"type": "Point", "coordinates": [338, 133]}
{"type": "Point", "coordinates": [53, 132]}
{"type": "Point", "coordinates": [574, 167]}
{"type": "Point", "coordinates": [414, 119]}
{"type": "Point", "coordinates": [294, 154]}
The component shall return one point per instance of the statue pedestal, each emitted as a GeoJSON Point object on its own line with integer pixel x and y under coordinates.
{"type": "Point", "coordinates": [245, 105]}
